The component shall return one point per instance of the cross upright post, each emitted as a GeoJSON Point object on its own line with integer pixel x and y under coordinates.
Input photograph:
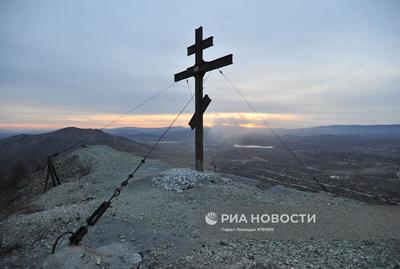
{"type": "Point", "coordinates": [201, 102]}
{"type": "Point", "coordinates": [198, 98]}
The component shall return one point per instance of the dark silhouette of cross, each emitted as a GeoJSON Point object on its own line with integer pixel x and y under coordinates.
{"type": "Point", "coordinates": [201, 103]}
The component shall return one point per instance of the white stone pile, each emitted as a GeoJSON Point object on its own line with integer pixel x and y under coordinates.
{"type": "Point", "coordinates": [178, 180]}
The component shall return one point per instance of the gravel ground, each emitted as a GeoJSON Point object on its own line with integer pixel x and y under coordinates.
{"type": "Point", "coordinates": [154, 224]}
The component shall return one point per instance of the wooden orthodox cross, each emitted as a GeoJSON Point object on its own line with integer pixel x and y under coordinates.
{"type": "Point", "coordinates": [197, 71]}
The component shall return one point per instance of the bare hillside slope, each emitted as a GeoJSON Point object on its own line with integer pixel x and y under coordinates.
{"type": "Point", "coordinates": [153, 223]}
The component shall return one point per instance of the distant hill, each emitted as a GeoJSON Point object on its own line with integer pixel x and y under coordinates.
{"type": "Point", "coordinates": [6, 133]}
{"type": "Point", "coordinates": [362, 130]}
{"type": "Point", "coordinates": [259, 135]}
{"type": "Point", "coordinates": [35, 148]}
{"type": "Point", "coordinates": [152, 134]}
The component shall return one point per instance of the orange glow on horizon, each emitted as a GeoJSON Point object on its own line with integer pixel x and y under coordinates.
{"type": "Point", "coordinates": [251, 125]}
{"type": "Point", "coordinates": [33, 126]}
{"type": "Point", "coordinates": [232, 119]}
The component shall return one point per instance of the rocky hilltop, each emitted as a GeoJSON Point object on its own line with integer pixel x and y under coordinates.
{"type": "Point", "coordinates": [152, 224]}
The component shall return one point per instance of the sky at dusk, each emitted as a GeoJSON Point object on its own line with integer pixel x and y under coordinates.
{"type": "Point", "coordinates": [300, 63]}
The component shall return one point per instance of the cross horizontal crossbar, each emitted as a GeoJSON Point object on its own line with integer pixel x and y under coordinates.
{"type": "Point", "coordinates": [206, 43]}
{"type": "Point", "coordinates": [204, 67]}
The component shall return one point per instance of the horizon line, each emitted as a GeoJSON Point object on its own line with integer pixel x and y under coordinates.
{"type": "Point", "coordinates": [188, 127]}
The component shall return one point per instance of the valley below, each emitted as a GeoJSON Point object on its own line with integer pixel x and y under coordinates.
{"type": "Point", "coordinates": [359, 168]}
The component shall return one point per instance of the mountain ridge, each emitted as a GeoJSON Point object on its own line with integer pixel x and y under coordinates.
{"type": "Point", "coordinates": [36, 147]}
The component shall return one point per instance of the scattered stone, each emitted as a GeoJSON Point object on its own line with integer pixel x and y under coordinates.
{"type": "Point", "coordinates": [98, 260]}
{"type": "Point", "coordinates": [136, 258]}
{"type": "Point", "coordinates": [117, 255]}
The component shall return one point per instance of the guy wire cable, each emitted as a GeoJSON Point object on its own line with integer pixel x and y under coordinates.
{"type": "Point", "coordinates": [77, 236]}
{"type": "Point", "coordinates": [273, 132]}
